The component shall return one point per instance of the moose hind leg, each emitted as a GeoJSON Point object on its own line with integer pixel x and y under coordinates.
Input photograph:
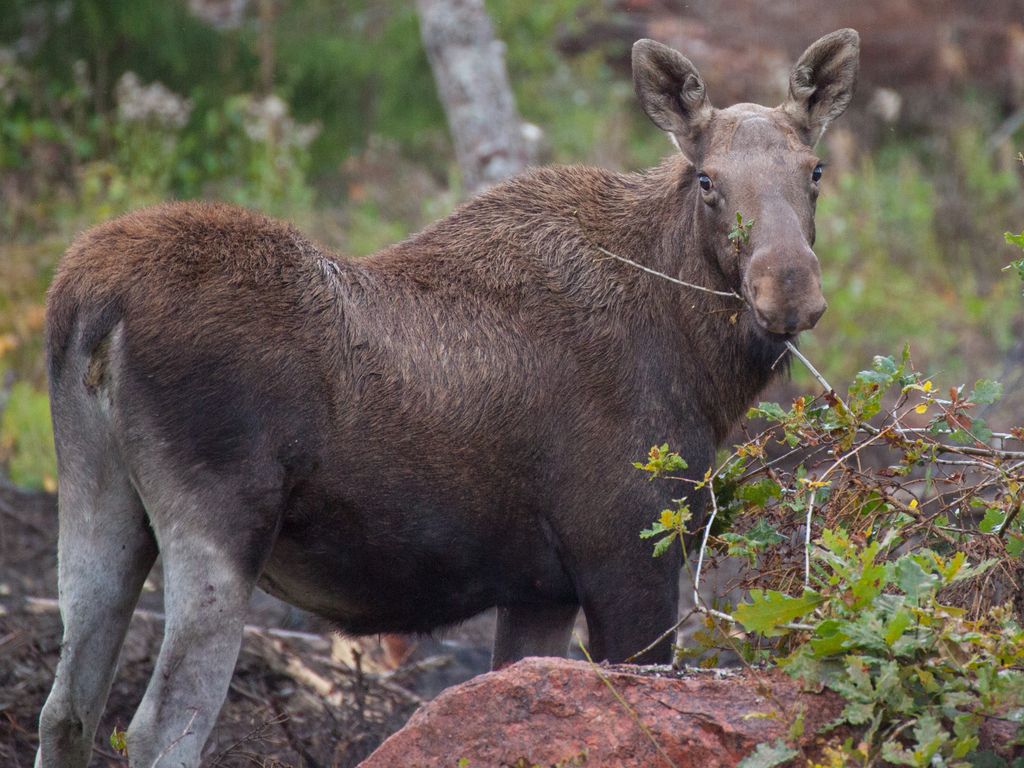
{"type": "Point", "coordinates": [532, 631]}
{"type": "Point", "coordinates": [105, 552]}
{"type": "Point", "coordinates": [210, 569]}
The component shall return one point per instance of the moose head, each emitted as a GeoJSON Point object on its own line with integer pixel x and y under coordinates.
{"type": "Point", "coordinates": [757, 162]}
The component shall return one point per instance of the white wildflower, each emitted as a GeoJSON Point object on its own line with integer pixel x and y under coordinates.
{"type": "Point", "coordinates": [154, 103]}
{"type": "Point", "coordinates": [267, 120]}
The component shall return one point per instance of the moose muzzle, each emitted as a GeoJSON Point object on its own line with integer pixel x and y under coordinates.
{"type": "Point", "coordinates": [784, 289]}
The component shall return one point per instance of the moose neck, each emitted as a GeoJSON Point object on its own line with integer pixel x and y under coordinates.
{"type": "Point", "coordinates": [651, 219]}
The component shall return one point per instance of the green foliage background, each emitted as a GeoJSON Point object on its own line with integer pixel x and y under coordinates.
{"type": "Point", "coordinates": [381, 166]}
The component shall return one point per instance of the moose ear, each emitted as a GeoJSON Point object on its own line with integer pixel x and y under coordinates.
{"type": "Point", "coordinates": [672, 93]}
{"type": "Point", "coordinates": [821, 85]}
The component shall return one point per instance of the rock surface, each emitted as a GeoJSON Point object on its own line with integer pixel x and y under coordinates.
{"type": "Point", "coordinates": [555, 712]}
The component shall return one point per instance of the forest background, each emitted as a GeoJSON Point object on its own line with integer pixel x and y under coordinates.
{"type": "Point", "coordinates": [326, 113]}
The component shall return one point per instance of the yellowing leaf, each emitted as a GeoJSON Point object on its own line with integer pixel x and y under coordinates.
{"type": "Point", "coordinates": [770, 609]}
{"type": "Point", "coordinates": [952, 568]}
{"type": "Point", "coordinates": [119, 741]}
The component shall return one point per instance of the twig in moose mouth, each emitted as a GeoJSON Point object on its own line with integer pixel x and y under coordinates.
{"type": "Point", "coordinates": [656, 273]}
{"type": "Point", "coordinates": [677, 281]}
{"type": "Point", "coordinates": [813, 371]}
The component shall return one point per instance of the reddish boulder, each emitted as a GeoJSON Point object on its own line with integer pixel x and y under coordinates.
{"type": "Point", "coordinates": [554, 712]}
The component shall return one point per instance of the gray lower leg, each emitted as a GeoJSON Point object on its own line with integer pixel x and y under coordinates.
{"type": "Point", "coordinates": [532, 631]}
{"type": "Point", "coordinates": [105, 552]}
{"type": "Point", "coordinates": [206, 596]}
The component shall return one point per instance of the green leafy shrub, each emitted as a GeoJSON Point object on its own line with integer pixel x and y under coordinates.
{"type": "Point", "coordinates": [253, 153]}
{"type": "Point", "coordinates": [26, 438]}
{"type": "Point", "coordinates": [896, 586]}
{"type": "Point", "coordinates": [916, 674]}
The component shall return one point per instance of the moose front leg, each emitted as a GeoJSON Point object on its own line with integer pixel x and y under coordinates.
{"type": "Point", "coordinates": [625, 617]}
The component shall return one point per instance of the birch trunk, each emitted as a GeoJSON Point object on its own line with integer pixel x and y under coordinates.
{"type": "Point", "coordinates": [469, 68]}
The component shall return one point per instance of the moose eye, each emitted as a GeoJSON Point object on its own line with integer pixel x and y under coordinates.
{"type": "Point", "coordinates": [705, 181]}
{"type": "Point", "coordinates": [816, 173]}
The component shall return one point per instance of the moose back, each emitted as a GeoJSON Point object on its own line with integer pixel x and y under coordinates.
{"type": "Point", "coordinates": [400, 442]}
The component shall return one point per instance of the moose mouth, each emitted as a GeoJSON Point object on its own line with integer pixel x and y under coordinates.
{"type": "Point", "coordinates": [778, 338]}
{"type": "Point", "coordinates": [762, 326]}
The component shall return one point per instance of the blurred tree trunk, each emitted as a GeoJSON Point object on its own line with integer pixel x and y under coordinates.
{"type": "Point", "coordinates": [469, 69]}
{"type": "Point", "coordinates": [268, 13]}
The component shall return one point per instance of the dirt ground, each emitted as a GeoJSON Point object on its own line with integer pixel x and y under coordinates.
{"type": "Point", "coordinates": [300, 695]}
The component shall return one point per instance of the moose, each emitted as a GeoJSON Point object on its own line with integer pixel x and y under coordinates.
{"type": "Point", "coordinates": [400, 442]}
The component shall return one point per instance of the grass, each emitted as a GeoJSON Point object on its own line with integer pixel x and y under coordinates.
{"type": "Point", "coordinates": [26, 438]}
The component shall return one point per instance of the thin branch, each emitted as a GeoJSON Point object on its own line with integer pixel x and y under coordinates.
{"type": "Point", "coordinates": [964, 463]}
{"type": "Point", "coordinates": [664, 635]}
{"type": "Point", "coordinates": [187, 731]}
{"type": "Point", "coordinates": [704, 541]}
{"type": "Point", "coordinates": [966, 450]}
{"type": "Point", "coordinates": [1005, 526]}
{"type": "Point", "coordinates": [733, 620]}
{"type": "Point", "coordinates": [813, 371]}
{"type": "Point", "coordinates": [853, 452]}
{"type": "Point", "coordinates": [766, 466]}
{"type": "Point", "coordinates": [807, 540]}
{"type": "Point", "coordinates": [258, 733]}
{"type": "Point", "coordinates": [925, 431]}
{"type": "Point", "coordinates": [609, 254]}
